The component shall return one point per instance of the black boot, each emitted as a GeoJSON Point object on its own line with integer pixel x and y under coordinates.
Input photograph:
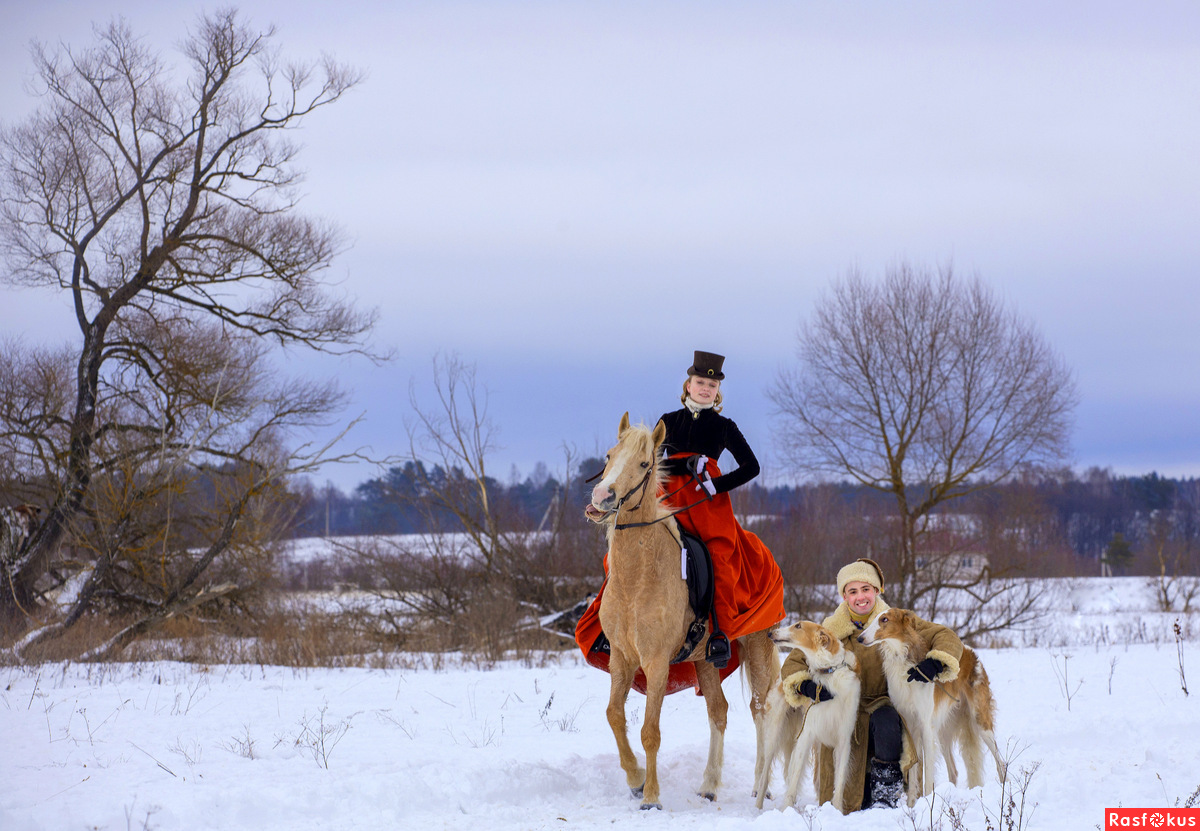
{"type": "Point", "coordinates": [885, 784]}
{"type": "Point", "coordinates": [718, 653]}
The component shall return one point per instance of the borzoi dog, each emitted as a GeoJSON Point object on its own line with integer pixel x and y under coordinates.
{"type": "Point", "coordinates": [797, 726]}
{"type": "Point", "coordinates": [960, 711]}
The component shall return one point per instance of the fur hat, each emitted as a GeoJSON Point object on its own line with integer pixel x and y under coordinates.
{"type": "Point", "coordinates": [861, 570]}
{"type": "Point", "coordinates": [707, 365]}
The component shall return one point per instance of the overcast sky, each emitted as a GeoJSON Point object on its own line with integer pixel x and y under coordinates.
{"type": "Point", "coordinates": [574, 196]}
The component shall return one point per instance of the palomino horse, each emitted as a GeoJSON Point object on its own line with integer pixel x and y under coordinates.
{"type": "Point", "coordinates": [645, 613]}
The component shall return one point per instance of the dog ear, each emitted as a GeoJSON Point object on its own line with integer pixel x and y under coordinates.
{"type": "Point", "coordinates": [826, 640]}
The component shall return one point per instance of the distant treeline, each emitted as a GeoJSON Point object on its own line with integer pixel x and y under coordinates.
{"type": "Point", "coordinates": [1083, 512]}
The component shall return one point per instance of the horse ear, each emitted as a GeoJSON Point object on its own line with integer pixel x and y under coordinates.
{"type": "Point", "coordinates": [624, 425]}
{"type": "Point", "coordinates": [660, 433]}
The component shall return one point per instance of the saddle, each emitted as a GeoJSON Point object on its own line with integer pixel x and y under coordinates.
{"type": "Point", "coordinates": [701, 585]}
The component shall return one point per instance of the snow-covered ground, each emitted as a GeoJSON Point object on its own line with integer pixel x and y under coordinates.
{"type": "Point", "coordinates": [308, 549]}
{"type": "Point", "coordinates": [1093, 725]}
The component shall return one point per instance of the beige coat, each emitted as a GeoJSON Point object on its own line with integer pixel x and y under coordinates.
{"type": "Point", "coordinates": [946, 647]}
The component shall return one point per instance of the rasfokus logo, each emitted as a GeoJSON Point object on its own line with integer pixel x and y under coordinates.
{"type": "Point", "coordinates": [1151, 818]}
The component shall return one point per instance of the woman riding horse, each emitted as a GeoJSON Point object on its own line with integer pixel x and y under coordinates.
{"type": "Point", "coordinates": [749, 584]}
{"type": "Point", "coordinates": [645, 617]}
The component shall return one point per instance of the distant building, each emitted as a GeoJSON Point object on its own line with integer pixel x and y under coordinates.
{"type": "Point", "coordinates": [956, 565]}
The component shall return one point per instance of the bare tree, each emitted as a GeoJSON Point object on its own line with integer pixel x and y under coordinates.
{"type": "Point", "coordinates": [485, 573]}
{"type": "Point", "coordinates": [923, 386]}
{"type": "Point", "coordinates": [167, 211]}
{"type": "Point", "coordinates": [187, 492]}
{"type": "Point", "coordinates": [1176, 579]}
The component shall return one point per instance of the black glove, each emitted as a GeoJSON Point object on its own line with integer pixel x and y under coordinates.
{"type": "Point", "coordinates": [926, 671]}
{"type": "Point", "coordinates": [809, 688]}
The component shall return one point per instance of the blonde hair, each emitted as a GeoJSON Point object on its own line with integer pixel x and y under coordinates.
{"type": "Point", "coordinates": [716, 401]}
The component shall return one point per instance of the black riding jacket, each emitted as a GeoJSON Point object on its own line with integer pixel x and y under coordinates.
{"type": "Point", "coordinates": [710, 433]}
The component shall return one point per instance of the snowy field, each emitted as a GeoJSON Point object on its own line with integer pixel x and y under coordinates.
{"type": "Point", "coordinates": [1092, 725]}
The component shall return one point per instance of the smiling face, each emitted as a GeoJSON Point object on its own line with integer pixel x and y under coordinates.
{"type": "Point", "coordinates": [703, 390]}
{"type": "Point", "coordinates": [860, 597]}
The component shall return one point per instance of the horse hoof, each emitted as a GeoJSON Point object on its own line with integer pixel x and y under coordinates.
{"type": "Point", "coordinates": [646, 806]}
{"type": "Point", "coordinates": [637, 792]}
{"type": "Point", "coordinates": [711, 797]}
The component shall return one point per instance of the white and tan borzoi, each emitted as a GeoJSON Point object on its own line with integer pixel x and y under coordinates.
{"type": "Point", "coordinates": [955, 712]}
{"type": "Point", "coordinates": [797, 727]}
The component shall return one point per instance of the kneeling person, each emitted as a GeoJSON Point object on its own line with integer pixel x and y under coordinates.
{"type": "Point", "coordinates": [876, 776]}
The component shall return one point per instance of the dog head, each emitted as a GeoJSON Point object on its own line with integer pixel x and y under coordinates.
{"type": "Point", "coordinates": [889, 625]}
{"type": "Point", "coordinates": [820, 647]}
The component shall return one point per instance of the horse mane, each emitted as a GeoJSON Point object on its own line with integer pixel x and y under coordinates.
{"type": "Point", "coordinates": [644, 435]}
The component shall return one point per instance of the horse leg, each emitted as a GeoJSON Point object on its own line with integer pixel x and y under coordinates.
{"type": "Point", "coordinates": [760, 663]}
{"type": "Point", "coordinates": [656, 691]}
{"type": "Point", "coordinates": [621, 674]}
{"type": "Point", "coordinates": [718, 711]}
{"type": "Point", "coordinates": [780, 740]}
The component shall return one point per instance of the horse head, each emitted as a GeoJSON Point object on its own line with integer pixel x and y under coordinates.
{"type": "Point", "coordinates": [630, 470]}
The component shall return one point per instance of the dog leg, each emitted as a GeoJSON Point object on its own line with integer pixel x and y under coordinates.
{"type": "Point", "coordinates": [928, 763]}
{"type": "Point", "coordinates": [972, 749]}
{"type": "Point", "coordinates": [928, 742]}
{"type": "Point", "coordinates": [841, 769]}
{"type": "Point", "coordinates": [796, 767]}
{"type": "Point", "coordinates": [989, 738]}
{"type": "Point", "coordinates": [948, 735]}
{"type": "Point", "coordinates": [920, 779]}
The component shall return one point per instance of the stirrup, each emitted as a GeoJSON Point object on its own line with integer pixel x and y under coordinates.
{"type": "Point", "coordinates": [718, 652]}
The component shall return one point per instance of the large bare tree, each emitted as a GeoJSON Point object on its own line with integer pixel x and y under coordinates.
{"type": "Point", "coordinates": [163, 200]}
{"type": "Point", "coordinates": [924, 386]}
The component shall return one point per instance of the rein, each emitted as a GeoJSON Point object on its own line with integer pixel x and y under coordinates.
{"type": "Point", "coordinates": [621, 526]}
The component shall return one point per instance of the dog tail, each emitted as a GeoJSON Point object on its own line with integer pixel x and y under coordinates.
{"type": "Point", "coordinates": [985, 705]}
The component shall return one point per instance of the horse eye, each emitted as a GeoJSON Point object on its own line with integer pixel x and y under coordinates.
{"type": "Point", "coordinates": [645, 464]}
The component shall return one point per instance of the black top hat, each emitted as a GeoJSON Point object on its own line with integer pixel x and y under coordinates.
{"type": "Point", "coordinates": [707, 365]}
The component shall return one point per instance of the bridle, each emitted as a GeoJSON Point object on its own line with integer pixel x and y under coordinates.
{"type": "Point", "coordinates": [640, 486]}
{"type": "Point", "coordinates": [621, 526]}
